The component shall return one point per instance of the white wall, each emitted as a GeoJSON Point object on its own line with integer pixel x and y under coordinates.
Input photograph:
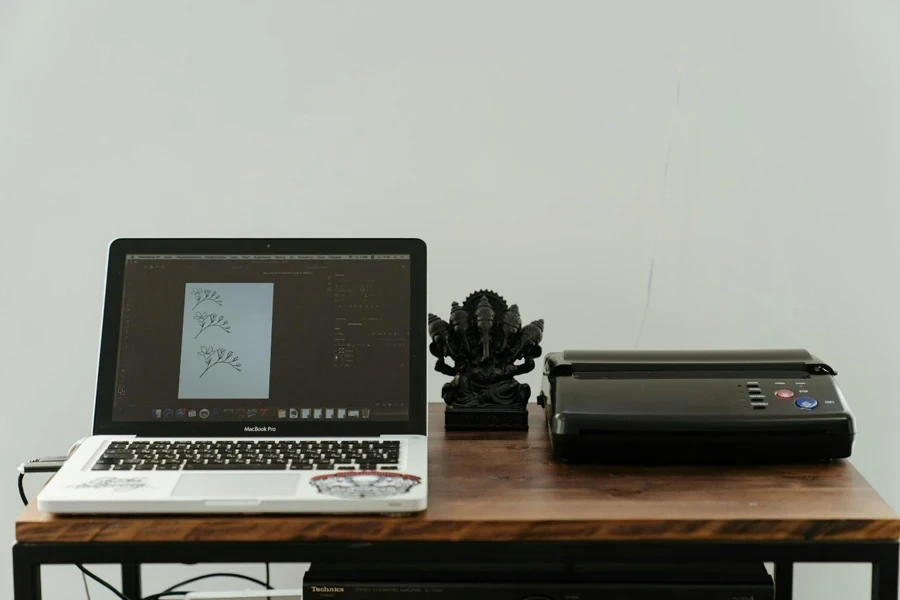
{"type": "Point", "coordinates": [732, 167]}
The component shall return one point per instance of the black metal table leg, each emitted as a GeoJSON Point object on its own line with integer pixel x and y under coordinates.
{"type": "Point", "coordinates": [131, 580]}
{"type": "Point", "coordinates": [26, 576]}
{"type": "Point", "coordinates": [784, 580]}
{"type": "Point", "coordinates": [885, 574]}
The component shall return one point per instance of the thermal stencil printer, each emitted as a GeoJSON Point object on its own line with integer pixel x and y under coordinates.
{"type": "Point", "coordinates": [695, 406]}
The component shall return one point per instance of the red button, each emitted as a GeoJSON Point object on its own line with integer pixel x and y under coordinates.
{"type": "Point", "coordinates": [784, 394]}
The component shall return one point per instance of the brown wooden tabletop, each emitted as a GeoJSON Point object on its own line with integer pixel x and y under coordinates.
{"type": "Point", "coordinates": [504, 487]}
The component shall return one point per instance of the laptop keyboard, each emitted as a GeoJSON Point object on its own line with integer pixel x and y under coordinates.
{"type": "Point", "coordinates": [255, 455]}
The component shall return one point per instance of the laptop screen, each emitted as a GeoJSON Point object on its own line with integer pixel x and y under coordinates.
{"type": "Point", "coordinates": [264, 338]}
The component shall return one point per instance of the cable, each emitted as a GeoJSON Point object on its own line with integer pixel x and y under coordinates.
{"type": "Point", "coordinates": [103, 582]}
{"type": "Point", "coordinates": [87, 590]}
{"type": "Point", "coordinates": [211, 575]}
{"type": "Point", "coordinates": [171, 590]}
{"type": "Point", "coordinates": [22, 489]}
{"type": "Point", "coordinates": [268, 579]}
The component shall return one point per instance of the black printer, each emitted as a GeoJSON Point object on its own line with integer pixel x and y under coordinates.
{"type": "Point", "coordinates": [694, 406]}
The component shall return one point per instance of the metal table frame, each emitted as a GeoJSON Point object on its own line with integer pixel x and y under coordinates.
{"type": "Point", "coordinates": [29, 556]}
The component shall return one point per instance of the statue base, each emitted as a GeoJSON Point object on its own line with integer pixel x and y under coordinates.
{"type": "Point", "coordinates": [485, 419]}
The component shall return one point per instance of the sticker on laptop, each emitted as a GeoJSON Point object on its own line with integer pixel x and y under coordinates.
{"type": "Point", "coordinates": [365, 484]}
{"type": "Point", "coordinates": [115, 484]}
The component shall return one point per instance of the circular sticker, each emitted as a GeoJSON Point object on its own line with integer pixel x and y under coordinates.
{"type": "Point", "coordinates": [365, 484]}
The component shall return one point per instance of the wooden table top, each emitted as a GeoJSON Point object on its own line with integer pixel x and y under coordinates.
{"type": "Point", "coordinates": [504, 487]}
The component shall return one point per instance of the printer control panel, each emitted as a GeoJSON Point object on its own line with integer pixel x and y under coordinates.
{"type": "Point", "coordinates": [791, 394]}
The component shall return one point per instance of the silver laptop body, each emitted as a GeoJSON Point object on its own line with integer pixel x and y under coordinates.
{"type": "Point", "coordinates": [256, 375]}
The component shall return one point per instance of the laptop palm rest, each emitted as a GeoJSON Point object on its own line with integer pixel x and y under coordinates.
{"type": "Point", "coordinates": [237, 485]}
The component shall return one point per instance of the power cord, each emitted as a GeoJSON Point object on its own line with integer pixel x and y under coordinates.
{"type": "Point", "coordinates": [102, 582]}
{"type": "Point", "coordinates": [87, 590]}
{"type": "Point", "coordinates": [172, 590]}
{"type": "Point", "coordinates": [25, 468]}
{"type": "Point", "coordinates": [22, 488]}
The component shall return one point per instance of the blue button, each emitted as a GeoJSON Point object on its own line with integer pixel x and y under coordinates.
{"type": "Point", "coordinates": [805, 402]}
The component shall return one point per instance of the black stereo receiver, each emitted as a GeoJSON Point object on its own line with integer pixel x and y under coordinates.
{"type": "Point", "coordinates": [540, 582]}
{"type": "Point", "coordinates": [698, 406]}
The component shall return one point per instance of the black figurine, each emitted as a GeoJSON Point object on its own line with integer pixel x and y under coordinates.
{"type": "Point", "coordinates": [485, 339]}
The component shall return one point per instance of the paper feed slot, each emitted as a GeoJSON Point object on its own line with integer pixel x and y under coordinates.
{"type": "Point", "coordinates": [698, 363]}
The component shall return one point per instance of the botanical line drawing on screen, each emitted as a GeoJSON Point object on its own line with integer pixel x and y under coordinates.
{"type": "Point", "coordinates": [218, 356]}
{"type": "Point", "coordinates": [207, 320]}
{"type": "Point", "coordinates": [202, 295]}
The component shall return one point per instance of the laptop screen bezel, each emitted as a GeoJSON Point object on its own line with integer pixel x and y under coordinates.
{"type": "Point", "coordinates": [112, 317]}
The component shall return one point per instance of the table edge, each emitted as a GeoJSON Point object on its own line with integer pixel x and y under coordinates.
{"type": "Point", "coordinates": [207, 529]}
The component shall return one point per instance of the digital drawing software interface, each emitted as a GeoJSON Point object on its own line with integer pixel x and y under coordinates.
{"type": "Point", "coordinates": [222, 338]}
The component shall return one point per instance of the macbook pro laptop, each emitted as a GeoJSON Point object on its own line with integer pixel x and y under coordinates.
{"type": "Point", "coordinates": [251, 375]}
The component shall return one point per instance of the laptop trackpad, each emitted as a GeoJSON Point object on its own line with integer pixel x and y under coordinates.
{"type": "Point", "coordinates": [237, 485]}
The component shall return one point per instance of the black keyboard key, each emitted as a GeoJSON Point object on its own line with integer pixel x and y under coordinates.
{"type": "Point", "coordinates": [122, 467]}
{"type": "Point", "coordinates": [346, 468]}
{"type": "Point", "coordinates": [301, 467]}
{"type": "Point", "coordinates": [99, 467]}
{"type": "Point", "coordinates": [144, 467]}
{"type": "Point", "coordinates": [389, 467]}
{"type": "Point", "coordinates": [168, 467]}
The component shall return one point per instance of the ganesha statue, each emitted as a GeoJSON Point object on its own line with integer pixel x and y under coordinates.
{"type": "Point", "coordinates": [489, 346]}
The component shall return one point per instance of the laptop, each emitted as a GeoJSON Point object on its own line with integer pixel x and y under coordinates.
{"type": "Point", "coordinates": [256, 375]}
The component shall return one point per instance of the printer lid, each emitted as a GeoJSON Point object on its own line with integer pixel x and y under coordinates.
{"type": "Point", "coordinates": [617, 361]}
